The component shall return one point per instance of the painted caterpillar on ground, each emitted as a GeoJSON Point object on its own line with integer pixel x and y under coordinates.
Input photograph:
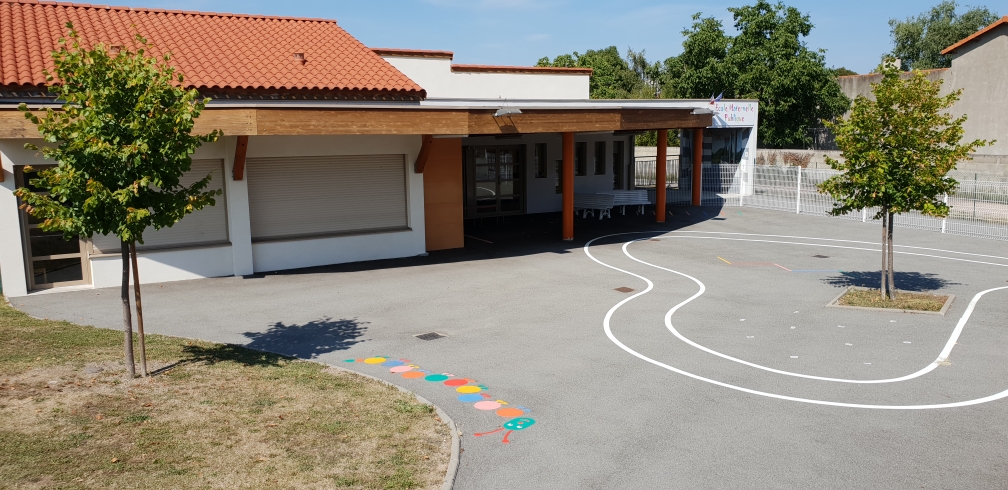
{"type": "Point", "coordinates": [469, 392]}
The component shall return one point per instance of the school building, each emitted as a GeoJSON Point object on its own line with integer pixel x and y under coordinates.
{"type": "Point", "coordinates": [334, 151]}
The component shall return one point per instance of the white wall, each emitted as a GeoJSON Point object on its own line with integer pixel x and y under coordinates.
{"type": "Point", "coordinates": [165, 265]}
{"type": "Point", "coordinates": [12, 261]}
{"type": "Point", "coordinates": [309, 252]}
{"type": "Point", "coordinates": [437, 78]}
{"type": "Point", "coordinates": [980, 69]}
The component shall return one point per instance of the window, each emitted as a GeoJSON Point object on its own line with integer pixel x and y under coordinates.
{"type": "Point", "coordinates": [617, 165]}
{"type": "Point", "coordinates": [559, 184]}
{"type": "Point", "coordinates": [540, 160]}
{"type": "Point", "coordinates": [580, 159]}
{"type": "Point", "coordinates": [600, 158]}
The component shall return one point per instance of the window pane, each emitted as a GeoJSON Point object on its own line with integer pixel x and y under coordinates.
{"type": "Point", "coordinates": [600, 158]}
{"type": "Point", "coordinates": [507, 187]}
{"type": "Point", "coordinates": [540, 161]}
{"type": "Point", "coordinates": [486, 173]}
{"type": "Point", "coordinates": [44, 243]}
{"type": "Point", "coordinates": [581, 158]}
{"type": "Point", "coordinates": [508, 172]}
{"type": "Point", "coordinates": [506, 156]}
{"type": "Point", "coordinates": [60, 270]}
{"type": "Point", "coordinates": [510, 204]}
{"type": "Point", "coordinates": [485, 189]}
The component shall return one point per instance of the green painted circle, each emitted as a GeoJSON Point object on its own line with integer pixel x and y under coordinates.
{"type": "Point", "coordinates": [435, 378]}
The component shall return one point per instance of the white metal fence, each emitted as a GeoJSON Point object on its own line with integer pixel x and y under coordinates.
{"type": "Point", "coordinates": [978, 208]}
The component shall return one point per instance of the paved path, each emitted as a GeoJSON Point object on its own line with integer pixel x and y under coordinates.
{"type": "Point", "coordinates": [528, 323]}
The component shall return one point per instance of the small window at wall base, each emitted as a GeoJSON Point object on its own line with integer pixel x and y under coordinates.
{"type": "Point", "coordinates": [581, 159]}
{"type": "Point", "coordinates": [540, 160]}
{"type": "Point", "coordinates": [600, 158]}
{"type": "Point", "coordinates": [617, 165]}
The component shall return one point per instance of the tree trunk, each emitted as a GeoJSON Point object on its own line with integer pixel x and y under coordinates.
{"type": "Point", "coordinates": [139, 311]}
{"type": "Point", "coordinates": [127, 320]}
{"type": "Point", "coordinates": [892, 274]}
{"type": "Point", "coordinates": [885, 256]}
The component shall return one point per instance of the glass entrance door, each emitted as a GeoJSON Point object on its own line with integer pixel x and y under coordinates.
{"type": "Point", "coordinates": [51, 260]}
{"type": "Point", "coordinates": [495, 184]}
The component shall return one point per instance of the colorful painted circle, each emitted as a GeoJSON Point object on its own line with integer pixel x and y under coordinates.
{"type": "Point", "coordinates": [456, 382]}
{"type": "Point", "coordinates": [375, 360]}
{"type": "Point", "coordinates": [400, 369]}
{"type": "Point", "coordinates": [510, 412]}
{"type": "Point", "coordinates": [468, 389]}
{"type": "Point", "coordinates": [469, 398]}
{"type": "Point", "coordinates": [487, 405]}
{"type": "Point", "coordinates": [435, 378]}
{"type": "Point", "coordinates": [393, 362]}
{"type": "Point", "coordinates": [412, 374]}
{"type": "Point", "coordinates": [350, 360]}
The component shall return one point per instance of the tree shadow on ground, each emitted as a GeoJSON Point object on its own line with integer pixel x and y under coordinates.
{"type": "Point", "coordinates": [216, 353]}
{"type": "Point", "coordinates": [308, 340]}
{"type": "Point", "coordinates": [905, 281]}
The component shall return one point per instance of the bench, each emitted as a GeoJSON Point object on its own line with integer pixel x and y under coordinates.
{"type": "Point", "coordinates": [588, 203]}
{"type": "Point", "coordinates": [636, 197]}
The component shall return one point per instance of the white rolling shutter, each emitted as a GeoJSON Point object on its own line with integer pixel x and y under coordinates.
{"type": "Point", "coordinates": [304, 196]}
{"type": "Point", "coordinates": [208, 225]}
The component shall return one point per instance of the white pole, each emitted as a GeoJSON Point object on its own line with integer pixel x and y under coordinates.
{"type": "Point", "coordinates": [946, 217]}
{"type": "Point", "coordinates": [741, 193]}
{"type": "Point", "coordinates": [798, 200]}
{"type": "Point", "coordinates": [864, 215]}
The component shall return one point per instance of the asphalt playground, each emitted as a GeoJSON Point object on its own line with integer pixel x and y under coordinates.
{"type": "Point", "coordinates": [698, 353]}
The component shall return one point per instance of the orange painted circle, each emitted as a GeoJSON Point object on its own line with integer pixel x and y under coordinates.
{"type": "Point", "coordinates": [413, 374]}
{"type": "Point", "coordinates": [509, 412]}
{"type": "Point", "coordinates": [468, 389]}
{"type": "Point", "coordinates": [456, 382]}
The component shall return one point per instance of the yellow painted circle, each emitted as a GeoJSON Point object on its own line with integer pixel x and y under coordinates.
{"type": "Point", "coordinates": [375, 360]}
{"type": "Point", "coordinates": [468, 389]}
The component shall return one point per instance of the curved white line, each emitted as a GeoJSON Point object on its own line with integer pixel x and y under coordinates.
{"type": "Point", "coordinates": [608, 330]}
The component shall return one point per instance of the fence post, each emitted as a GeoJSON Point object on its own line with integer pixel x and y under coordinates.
{"type": "Point", "coordinates": [798, 200]}
{"type": "Point", "coordinates": [864, 215]}
{"type": "Point", "coordinates": [945, 199]}
{"type": "Point", "coordinates": [741, 194]}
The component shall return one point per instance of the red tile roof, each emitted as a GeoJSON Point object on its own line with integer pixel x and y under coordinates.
{"type": "Point", "coordinates": [521, 69]}
{"type": "Point", "coordinates": [215, 51]}
{"type": "Point", "coordinates": [999, 22]}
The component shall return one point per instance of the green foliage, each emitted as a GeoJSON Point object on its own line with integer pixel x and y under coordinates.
{"type": "Point", "coordinates": [918, 41]}
{"type": "Point", "coordinates": [843, 72]}
{"type": "Point", "coordinates": [769, 61]}
{"type": "Point", "coordinates": [121, 142]}
{"type": "Point", "coordinates": [612, 76]}
{"type": "Point", "coordinates": [899, 148]}
{"type": "Point", "coordinates": [650, 138]}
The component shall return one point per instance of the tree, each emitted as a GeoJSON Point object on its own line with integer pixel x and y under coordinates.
{"type": "Point", "coordinates": [918, 41]}
{"type": "Point", "coordinates": [767, 61]}
{"type": "Point", "coordinates": [898, 150]}
{"type": "Point", "coordinates": [843, 71]}
{"type": "Point", "coordinates": [121, 142]}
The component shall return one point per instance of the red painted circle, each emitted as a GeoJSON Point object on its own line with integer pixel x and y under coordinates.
{"type": "Point", "coordinates": [456, 382]}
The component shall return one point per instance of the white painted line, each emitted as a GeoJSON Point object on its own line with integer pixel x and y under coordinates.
{"type": "Point", "coordinates": [608, 331]}
{"type": "Point", "coordinates": [794, 357]}
{"type": "Point", "coordinates": [848, 344]}
{"type": "Point", "coordinates": [792, 328]}
{"type": "Point", "coordinates": [906, 341]}
{"type": "Point", "coordinates": [868, 363]}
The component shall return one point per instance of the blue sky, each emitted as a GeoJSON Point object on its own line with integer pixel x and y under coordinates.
{"type": "Point", "coordinates": [854, 33]}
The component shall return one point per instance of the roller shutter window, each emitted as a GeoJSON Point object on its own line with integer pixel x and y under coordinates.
{"type": "Point", "coordinates": [203, 227]}
{"type": "Point", "coordinates": [314, 196]}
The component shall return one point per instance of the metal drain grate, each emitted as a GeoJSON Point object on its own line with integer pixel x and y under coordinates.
{"type": "Point", "coordinates": [430, 336]}
{"type": "Point", "coordinates": [820, 256]}
{"type": "Point", "coordinates": [624, 289]}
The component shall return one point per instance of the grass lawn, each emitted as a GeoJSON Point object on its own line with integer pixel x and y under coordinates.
{"type": "Point", "coordinates": [216, 416]}
{"type": "Point", "coordinates": [871, 298]}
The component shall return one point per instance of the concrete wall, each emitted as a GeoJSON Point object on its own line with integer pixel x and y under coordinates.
{"type": "Point", "coordinates": [860, 85]}
{"type": "Point", "coordinates": [980, 69]}
{"type": "Point", "coordinates": [437, 78]}
{"type": "Point", "coordinates": [12, 261]}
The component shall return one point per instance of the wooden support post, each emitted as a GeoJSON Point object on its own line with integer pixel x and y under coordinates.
{"type": "Point", "coordinates": [239, 160]}
{"type": "Point", "coordinates": [425, 151]}
{"type": "Point", "coordinates": [567, 185]}
{"type": "Point", "coordinates": [661, 179]}
{"type": "Point", "coordinates": [697, 165]}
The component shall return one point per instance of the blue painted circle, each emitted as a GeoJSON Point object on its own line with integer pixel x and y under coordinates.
{"type": "Point", "coordinates": [392, 363]}
{"type": "Point", "coordinates": [470, 397]}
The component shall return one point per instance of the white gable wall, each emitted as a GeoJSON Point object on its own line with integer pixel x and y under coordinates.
{"type": "Point", "coordinates": [435, 75]}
